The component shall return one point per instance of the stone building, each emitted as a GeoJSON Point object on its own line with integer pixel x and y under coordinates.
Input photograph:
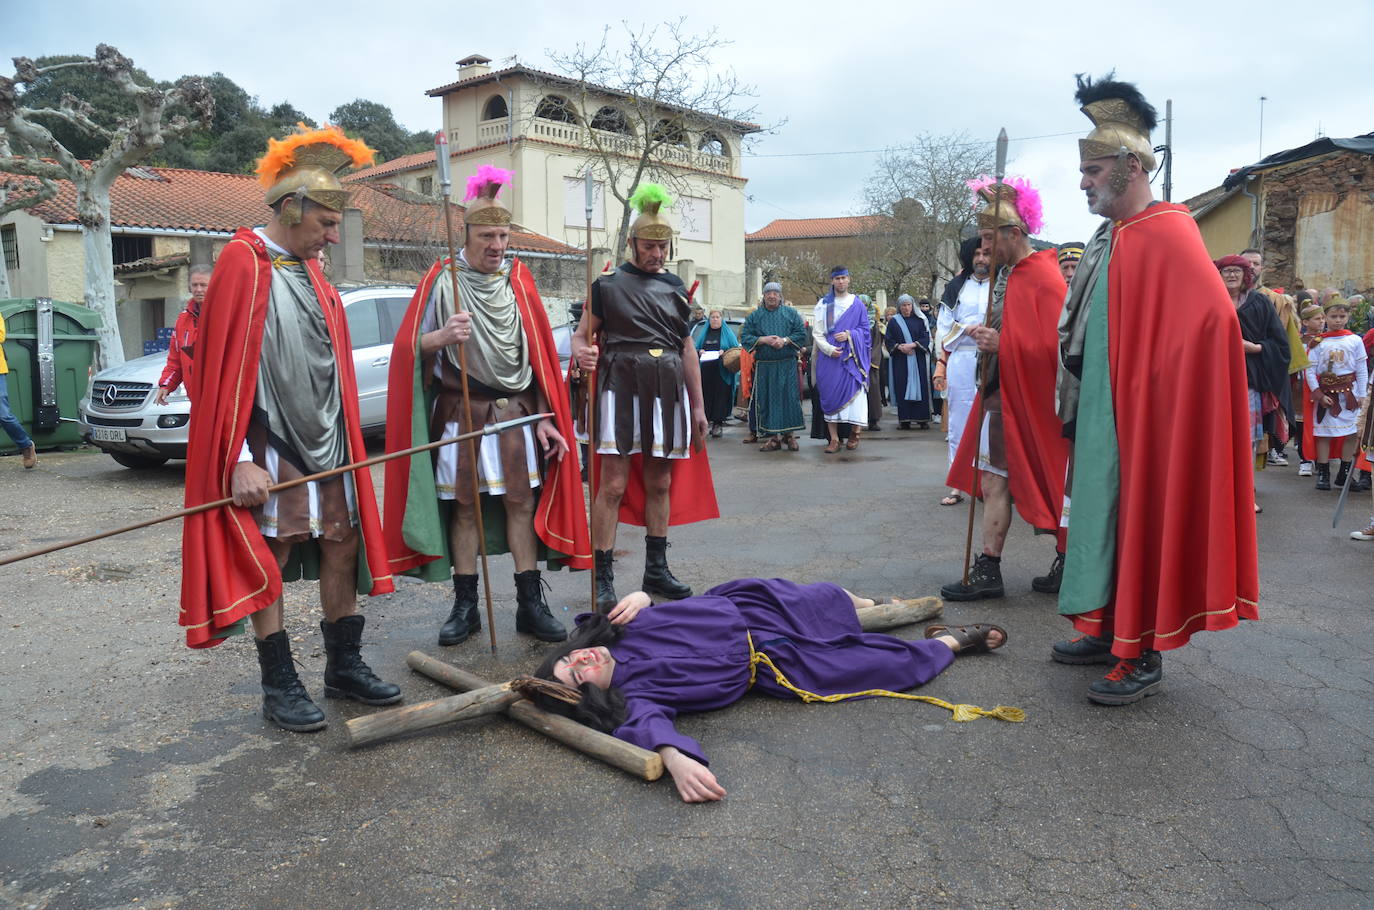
{"type": "Point", "coordinates": [1310, 210]}
{"type": "Point", "coordinates": [164, 220]}
{"type": "Point", "coordinates": [548, 128]}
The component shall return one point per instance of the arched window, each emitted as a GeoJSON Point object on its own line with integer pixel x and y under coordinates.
{"type": "Point", "coordinates": [612, 120]}
{"type": "Point", "coordinates": [495, 108]}
{"type": "Point", "coordinates": [553, 107]}
{"type": "Point", "coordinates": [670, 132]}
{"type": "Point", "coordinates": [713, 144]}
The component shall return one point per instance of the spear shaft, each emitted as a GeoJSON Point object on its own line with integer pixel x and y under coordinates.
{"type": "Point", "coordinates": [1000, 172]}
{"type": "Point", "coordinates": [488, 430]}
{"type": "Point", "coordinates": [446, 184]}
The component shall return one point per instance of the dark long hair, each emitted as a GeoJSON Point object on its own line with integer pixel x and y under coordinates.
{"type": "Point", "coordinates": [600, 709]}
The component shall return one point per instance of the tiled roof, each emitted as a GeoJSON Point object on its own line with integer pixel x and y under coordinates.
{"type": "Point", "coordinates": [173, 199]}
{"type": "Point", "coordinates": [809, 228]}
{"type": "Point", "coordinates": [742, 126]}
{"type": "Point", "coordinates": [152, 264]}
{"type": "Point", "coordinates": [394, 166]}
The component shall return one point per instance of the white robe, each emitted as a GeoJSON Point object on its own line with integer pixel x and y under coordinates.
{"type": "Point", "coordinates": [856, 412]}
{"type": "Point", "coordinates": [961, 368]}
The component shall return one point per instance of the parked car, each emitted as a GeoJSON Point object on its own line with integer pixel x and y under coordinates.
{"type": "Point", "coordinates": [118, 414]}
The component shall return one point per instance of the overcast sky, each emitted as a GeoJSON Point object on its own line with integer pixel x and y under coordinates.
{"type": "Point", "coordinates": [848, 78]}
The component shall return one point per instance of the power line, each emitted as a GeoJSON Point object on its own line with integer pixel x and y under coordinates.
{"type": "Point", "coordinates": [889, 148]}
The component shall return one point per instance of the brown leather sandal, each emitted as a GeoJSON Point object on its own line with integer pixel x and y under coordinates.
{"type": "Point", "coordinates": [971, 639]}
{"type": "Point", "coordinates": [792, 444]}
{"type": "Point", "coordinates": [749, 440]}
{"type": "Point", "coordinates": [771, 445]}
{"type": "Point", "coordinates": [852, 444]}
{"type": "Point", "coordinates": [832, 448]}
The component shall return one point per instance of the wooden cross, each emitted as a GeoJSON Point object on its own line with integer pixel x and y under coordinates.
{"type": "Point", "coordinates": [480, 697]}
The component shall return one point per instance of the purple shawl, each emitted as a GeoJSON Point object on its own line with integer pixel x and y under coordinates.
{"type": "Point", "coordinates": [839, 379]}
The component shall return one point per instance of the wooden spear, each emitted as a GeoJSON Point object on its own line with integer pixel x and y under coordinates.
{"type": "Point", "coordinates": [489, 429]}
{"type": "Point", "coordinates": [474, 447]}
{"type": "Point", "coordinates": [589, 390]}
{"type": "Point", "coordinates": [977, 427]}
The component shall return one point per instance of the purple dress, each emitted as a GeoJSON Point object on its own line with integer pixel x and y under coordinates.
{"type": "Point", "coordinates": [693, 655]}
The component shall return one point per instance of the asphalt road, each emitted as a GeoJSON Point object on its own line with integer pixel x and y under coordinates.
{"type": "Point", "coordinates": [135, 772]}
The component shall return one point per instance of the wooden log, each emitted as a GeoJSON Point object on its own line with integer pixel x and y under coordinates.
{"type": "Point", "coordinates": [410, 718]}
{"type": "Point", "coordinates": [629, 758]}
{"type": "Point", "coordinates": [899, 613]}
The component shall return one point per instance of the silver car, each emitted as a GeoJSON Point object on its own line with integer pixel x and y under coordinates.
{"type": "Point", "coordinates": [119, 416]}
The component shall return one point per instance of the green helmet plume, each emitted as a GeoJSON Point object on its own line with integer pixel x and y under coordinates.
{"type": "Point", "coordinates": [648, 198]}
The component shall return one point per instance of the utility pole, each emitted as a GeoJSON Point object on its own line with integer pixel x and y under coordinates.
{"type": "Point", "coordinates": [1169, 150]}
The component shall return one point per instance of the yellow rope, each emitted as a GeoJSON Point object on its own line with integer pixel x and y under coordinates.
{"type": "Point", "coordinates": [961, 712]}
{"type": "Point", "coordinates": [284, 262]}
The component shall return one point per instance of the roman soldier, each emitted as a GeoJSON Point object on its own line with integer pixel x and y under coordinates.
{"type": "Point", "coordinates": [276, 400]}
{"type": "Point", "coordinates": [650, 420]}
{"type": "Point", "coordinates": [528, 489]}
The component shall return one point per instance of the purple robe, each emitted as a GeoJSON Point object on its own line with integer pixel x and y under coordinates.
{"type": "Point", "coordinates": [839, 379]}
{"type": "Point", "coordinates": [693, 655]}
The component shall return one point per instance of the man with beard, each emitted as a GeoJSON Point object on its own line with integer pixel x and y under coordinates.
{"type": "Point", "coordinates": [529, 492]}
{"type": "Point", "coordinates": [276, 400]}
{"type": "Point", "coordinates": [840, 331]}
{"type": "Point", "coordinates": [774, 334]}
{"type": "Point", "coordinates": [1018, 453]}
{"type": "Point", "coordinates": [1161, 538]}
{"type": "Point", "coordinates": [650, 417]}
{"type": "Point", "coordinates": [181, 350]}
{"type": "Point", "coordinates": [963, 306]}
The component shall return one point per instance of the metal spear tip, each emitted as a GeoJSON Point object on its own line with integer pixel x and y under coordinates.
{"type": "Point", "coordinates": [502, 426]}
{"type": "Point", "coordinates": [1001, 154]}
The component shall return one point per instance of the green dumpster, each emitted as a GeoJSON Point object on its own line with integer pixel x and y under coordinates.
{"type": "Point", "coordinates": [50, 346]}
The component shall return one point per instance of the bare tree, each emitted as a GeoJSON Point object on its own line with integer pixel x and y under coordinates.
{"type": "Point", "coordinates": [922, 186]}
{"type": "Point", "coordinates": [34, 152]}
{"type": "Point", "coordinates": [662, 85]}
{"type": "Point", "coordinates": [803, 273]}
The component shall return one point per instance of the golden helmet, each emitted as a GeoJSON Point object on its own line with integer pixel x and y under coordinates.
{"type": "Point", "coordinates": [649, 200]}
{"type": "Point", "coordinates": [306, 165]}
{"type": "Point", "coordinates": [1122, 120]}
{"type": "Point", "coordinates": [482, 205]}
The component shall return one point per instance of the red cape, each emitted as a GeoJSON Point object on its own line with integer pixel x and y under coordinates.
{"type": "Point", "coordinates": [228, 571]}
{"type": "Point", "coordinates": [1186, 557]}
{"type": "Point", "coordinates": [1028, 362]}
{"type": "Point", "coordinates": [691, 497]}
{"type": "Point", "coordinates": [560, 519]}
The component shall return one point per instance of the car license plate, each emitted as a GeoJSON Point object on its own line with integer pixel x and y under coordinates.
{"type": "Point", "coordinates": [108, 434]}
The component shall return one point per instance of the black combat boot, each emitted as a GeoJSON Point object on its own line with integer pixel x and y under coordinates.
{"type": "Point", "coordinates": [984, 581]}
{"type": "Point", "coordinates": [346, 675]}
{"type": "Point", "coordinates": [1362, 483]}
{"type": "Point", "coordinates": [1341, 475]}
{"type": "Point", "coordinates": [1085, 649]}
{"type": "Point", "coordinates": [284, 700]}
{"type": "Point", "coordinates": [1049, 584]}
{"type": "Point", "coordinates": [658, 578]}
{"type": "Point", "coordinates": [1324, 476]}
{"type": "Point", "coordinates": [532, 614]}
{"type": "Point", "coordinates": [1130, 680]}
{"type": "Point", "coordinates": [605, 581]}
{"type": "Point", "coordinates": [464, 619]}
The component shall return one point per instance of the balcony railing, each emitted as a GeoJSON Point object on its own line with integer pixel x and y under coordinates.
{"type": "Point", "coordinates": [490, 131]}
